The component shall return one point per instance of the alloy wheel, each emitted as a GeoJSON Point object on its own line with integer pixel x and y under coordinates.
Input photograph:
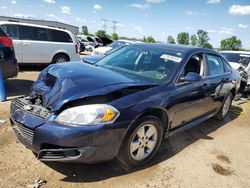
{"type": "Point", "coordinates": [143, 142]}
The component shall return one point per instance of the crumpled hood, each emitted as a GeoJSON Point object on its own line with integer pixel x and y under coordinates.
{"type": "Point", "coordinates": [61, 83]}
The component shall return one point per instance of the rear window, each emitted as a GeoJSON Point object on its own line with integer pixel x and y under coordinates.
{"type": "Point", "coordinates": [59, 36]}
{"type": "Point", "coordinates": [33, 33]}
{"type": "Point", "coordinates": [11, 30]}
{"type": "Point", "coordinates": [2, 32]}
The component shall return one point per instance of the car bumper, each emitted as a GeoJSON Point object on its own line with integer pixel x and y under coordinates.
{"type": "Point", "coordinates": [9, 68]}
{"type": "Point", "coordinates": [58, 142]}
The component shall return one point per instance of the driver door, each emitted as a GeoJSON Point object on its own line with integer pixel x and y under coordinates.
{"type": "Point", "coordinates": [189, 99]}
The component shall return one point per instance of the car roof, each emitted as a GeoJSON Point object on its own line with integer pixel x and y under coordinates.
{"type": "Point", "coordinates": [34, 25]}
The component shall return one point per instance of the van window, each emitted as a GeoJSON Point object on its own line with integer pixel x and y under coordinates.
{"type": "Point", "coordinates": [33, 33]}
{"type": "Point", "coordinates": [59, 36]}
{"type": "Point", "coordinates": [11, 30]}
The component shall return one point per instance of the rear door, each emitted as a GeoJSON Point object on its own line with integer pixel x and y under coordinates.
{"type": "Point", "coordinates": [13, 32]}
{"type": "Point", "coordinates": [35, 44]}
{"type": "Point", "coordinates": [218, 81]}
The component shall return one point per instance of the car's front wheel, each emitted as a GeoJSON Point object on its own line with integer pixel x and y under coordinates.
{"type": "Point", "coordinates": [225, 107]}
{"type": "Point", "coordinates": [141, 142]}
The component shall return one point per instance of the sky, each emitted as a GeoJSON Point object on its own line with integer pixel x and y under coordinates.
{"type": "Point", "coordinates": [159, 18]}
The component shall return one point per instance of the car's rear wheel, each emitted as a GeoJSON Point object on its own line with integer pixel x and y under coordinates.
{"type": "Point", "coordinates": [141, 142]}
{"type": "Point", "coordinates": [60, 58]}
{"type": "Point", "coordinates": [222, 114]}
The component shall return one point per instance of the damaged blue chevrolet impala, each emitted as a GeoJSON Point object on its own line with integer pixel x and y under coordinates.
{"type": "Point", "coordinates": [123, 106]}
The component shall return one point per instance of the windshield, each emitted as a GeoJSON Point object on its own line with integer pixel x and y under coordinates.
{"type": "Point", "coordinates": [244, 59]}
{"type": "Point", "coordinates": [157, 64]}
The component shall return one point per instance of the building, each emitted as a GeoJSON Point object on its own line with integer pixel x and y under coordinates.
{"type": "Point", "coordinates": [72, 28]}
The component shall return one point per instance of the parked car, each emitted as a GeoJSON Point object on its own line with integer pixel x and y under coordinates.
{"type": "Point", "coordinates": [8, 62]}
{"type": "Point", "coordinates": [41, 44]}
{"type": "Point", "coordinates": [93, 59]}
{"type": "Point", "coordinates": [240, 61]}
{"type": "Point", "coordinates": [124, 105]}
{"type": "Point", "coordinates": [114, 44]}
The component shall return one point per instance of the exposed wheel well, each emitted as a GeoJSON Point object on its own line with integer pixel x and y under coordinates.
{"type": "Point", "coordinates": [62, 53]}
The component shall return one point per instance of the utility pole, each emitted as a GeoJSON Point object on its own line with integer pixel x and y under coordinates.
{"type": "Point", "coordinates": [114, 27]}
{"type": "Point", "coordinates": [104, 24]}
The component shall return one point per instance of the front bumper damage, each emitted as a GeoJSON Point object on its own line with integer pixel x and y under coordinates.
{"type": "Point", "coordinates": [52, 141]}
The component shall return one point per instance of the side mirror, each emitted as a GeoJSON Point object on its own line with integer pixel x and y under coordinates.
{"type": "Point", "coordinates": [192, 77]}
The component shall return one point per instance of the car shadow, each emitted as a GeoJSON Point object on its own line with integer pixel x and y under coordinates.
{"type": "Point", "coordinates": [17, 87]}
{"type": "Point", "coordinates": [28, 67]}
{"type": "Point", "coordinates": [76, 172]}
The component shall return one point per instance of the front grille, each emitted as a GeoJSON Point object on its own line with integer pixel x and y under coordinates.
{"type": "Point", "coordinates": [21, 103]}
{"type": "Point", "coordinates": [25, 132]}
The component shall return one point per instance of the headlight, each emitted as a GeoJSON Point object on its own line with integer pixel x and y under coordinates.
{"type": "Point", "coordinates": [88, 115]}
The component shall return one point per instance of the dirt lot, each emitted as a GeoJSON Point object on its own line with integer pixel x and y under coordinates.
{"type": "Point", "coordinates": [213, 154]}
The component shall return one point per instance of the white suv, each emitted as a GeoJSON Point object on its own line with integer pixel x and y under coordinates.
{"type": "Point", "coordinates": [41, 44]}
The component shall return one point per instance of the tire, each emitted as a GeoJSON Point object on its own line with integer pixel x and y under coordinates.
{"type": "Point", "coordinates": [137, 150]}
{"type": "Point", "coordinates": [60, 58]}
{"type": "Point", "coordinates": [222, 114]}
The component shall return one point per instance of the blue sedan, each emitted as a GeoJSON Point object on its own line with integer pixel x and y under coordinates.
{"type": "Point", "coordinates": [124, 105]}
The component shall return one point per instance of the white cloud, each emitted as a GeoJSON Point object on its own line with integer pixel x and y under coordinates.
{"type": "Point", "coordinates": [213, 1]}
{"type": "Point", "coordinates": [146, 15]}
{"type": "Point", "coordinates": [3, 7]}
{"type": "Point", "coordinates": [65, 9]}
{"type": "Point", "coordinates": [49, 1]}
{"type": "Point", "coordinates": [79, 19]}
{"type": "Point", "coordinates": [244, 26]}
{"type": "Point", "coordinates": [191, 13]}
{"type": "Point", "coordinates": [155, 1]}
{"type": "Point", "coordinates": [13, 2]}
{"type": "Point", "coordinates": [121, 25]}
{"type": "Point", "coordinates": [188, 28]}
{"type": "Point", "coordinates": [239, 10]}
{"type": "Point", "coordinates": [139, 6]}
{"type": "Point", "coordinates": [97, 7]}
{"type": "Point", "coordinates": [54, 17]}
{"type": "Point", "coordinates": [223, 30]}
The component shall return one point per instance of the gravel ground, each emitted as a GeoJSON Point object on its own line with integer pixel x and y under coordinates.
{"type": "Point", "coordinates": [212, 154]}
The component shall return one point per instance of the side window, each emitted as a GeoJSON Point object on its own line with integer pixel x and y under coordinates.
{"type": "Point", "coordinates": [11, 30]}
{"type": "Point", "coordinates": [33, 33]}
{"type": "Point", "coordinates": [227, 66]}
{"type": "Point", "coordinates": [195, 64]}
{"type": "Point", "coordinates": [215, 65]}
{"type": "Point", "coordinates": [60, 36]}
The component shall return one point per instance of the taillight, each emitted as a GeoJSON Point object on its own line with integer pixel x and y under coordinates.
{"type": "Point", "coordinates": [6, 41]}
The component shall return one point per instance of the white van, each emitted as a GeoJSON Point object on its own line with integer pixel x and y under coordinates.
{"type": "Point", "coordinates": [41, 44]}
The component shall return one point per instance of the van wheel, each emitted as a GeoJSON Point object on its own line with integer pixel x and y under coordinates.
{"type": "Point", "coordinates": [222, 114]}
{"type": "Point", "coordinates": [141, 142]}
{"type": "Point", "coordinates": [60, 58]}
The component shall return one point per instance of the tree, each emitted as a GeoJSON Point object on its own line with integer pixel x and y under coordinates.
{"type": "Point", "coordinates": [85, 30]}
{"type": "Point", "coordinates": [149, 39]}
{"type": "Point", "coordinates": [114, 36]}
{"type": "Point", "coordinates": [203, 39]}
{"type": "Point", "coordinates": [183, 38]}
{"type": "Point", "coordinates": [170, 40]}
{"type": "Point", "coordinates": [193, 40]}
{"type": "Point", "coordinates": [231, 43]}
{"type": "Point", "coordinates": [101, 33]}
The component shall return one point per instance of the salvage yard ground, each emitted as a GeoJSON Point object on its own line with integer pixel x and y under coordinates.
{"type": "Point", "coordinates": [212, 154]}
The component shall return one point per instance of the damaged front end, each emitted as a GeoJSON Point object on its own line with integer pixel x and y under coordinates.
{"type": "Point", "coordinates": [50, 123]}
